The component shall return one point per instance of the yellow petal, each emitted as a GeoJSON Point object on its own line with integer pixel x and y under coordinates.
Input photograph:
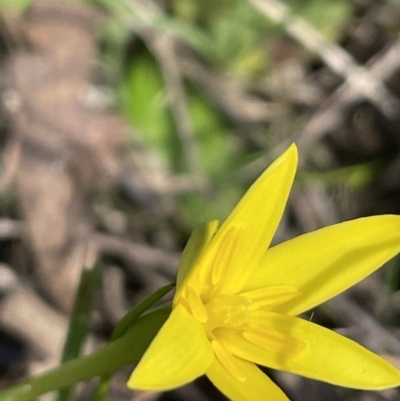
{"type": "Point", "coordinates": [226, 256]}
{"type": "Point", "coordinates": [196, 245]}
{"type": "Point", "coordinates": [251, 225]}
{"type": "Point", "coordinates": [327, 356]}
{"type": "Point", "coordinates": [179, 354]}
{"type": "Point", "coordinates": [273, 340]}
{"type": "Point", "coordinates": [194, 304]}
{"type": "Point", "coordinates": [268, 297]}
{"type": "Point", "coordinates": [228, 361]}
{"type": "Point", "coordinates": [325, 262]}
{"type": "Point", "coordinates": [256, 387]}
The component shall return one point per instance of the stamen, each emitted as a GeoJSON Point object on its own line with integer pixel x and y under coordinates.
{"type": "Point", "coordinates": [227, 360]}
{"type": "Point", "coordinates": [266, 297]}
{"type": "Point", "coordinates": [225, 255]}
{"type": "Point", "coordinates": [196, 305]}
{"type": "Point", "coordinates": [273, 340]}
{"type": "Point", "coordinates": [227, 311]}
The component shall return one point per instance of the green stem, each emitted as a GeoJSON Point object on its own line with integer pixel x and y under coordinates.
{"type": "Point", "coordinates": [126, 350]}
{"type": "Point", "coordinates": [125, 323]}
{"type": "Point", "coordinates": [133, 315]}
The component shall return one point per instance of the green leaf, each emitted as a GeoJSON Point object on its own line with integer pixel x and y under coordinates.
{"type": "Point", "coordinates": [122, 327]}
{"type": "Point", "coordinates": [80, 320]}
{"type": "Point", "coordinates": [133, 315]}
{"type": "Point", "coordinates": [126, 350]}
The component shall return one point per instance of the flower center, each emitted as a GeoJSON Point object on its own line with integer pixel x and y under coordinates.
{"type": "Point", "coordinates": [227, 311]}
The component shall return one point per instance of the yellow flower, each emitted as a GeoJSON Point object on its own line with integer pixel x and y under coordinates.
{"type": "Point", "coordinates": [236, 300]}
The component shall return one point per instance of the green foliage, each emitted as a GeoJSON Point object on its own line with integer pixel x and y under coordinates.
{"type": "Point", "coordinates": [238, 36]}
{"type": "Point", "coordinates": [14, 6]}
{"type": "Point", "coordinates": [236, 31]}
{"type": "Point", "coordinates": [356, 176]}
{"type": "Point", "coordinates": [326, 16]}
{"type": "Point", "coordinates": [122, 328]}
{"type": "Point", "coordinates": [197, 210]}
{"type": "Point", "coordinates": [144, 104]}
{"type": "Point", "coordinates": [79, 320]}
{"type": "Point", "coordinates": [212, 139]}
{"type": "Point", "coordinates": [392, 274]}
{"type": "Point", "coordinates": [234, 37]}
{"type": "Point", "coordinates": [113, 37]}
{"type": "Point", "coordinates": [240, 33]}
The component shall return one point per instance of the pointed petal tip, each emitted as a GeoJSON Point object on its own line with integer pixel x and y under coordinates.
{"type": "Point", "coordinates": [293, 152]}
{"type": "Point", "coordinates": [135, 384]}
{"type": "Point", "coordinates": [390, 378]}
{"type": "Point", "coordinates": [289, 158]}
{"type": "Point", "coordinates": [150, 383]}
{"type": "Point", "coordinates": [328, 357]}
{"type": "Point", "coordinates": [293, 148]}
{"type": "Point", "coordinates": [141, 384]}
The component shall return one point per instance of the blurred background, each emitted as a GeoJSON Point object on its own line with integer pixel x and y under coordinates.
{"type": "Point", "coordinates": [125, 123]}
